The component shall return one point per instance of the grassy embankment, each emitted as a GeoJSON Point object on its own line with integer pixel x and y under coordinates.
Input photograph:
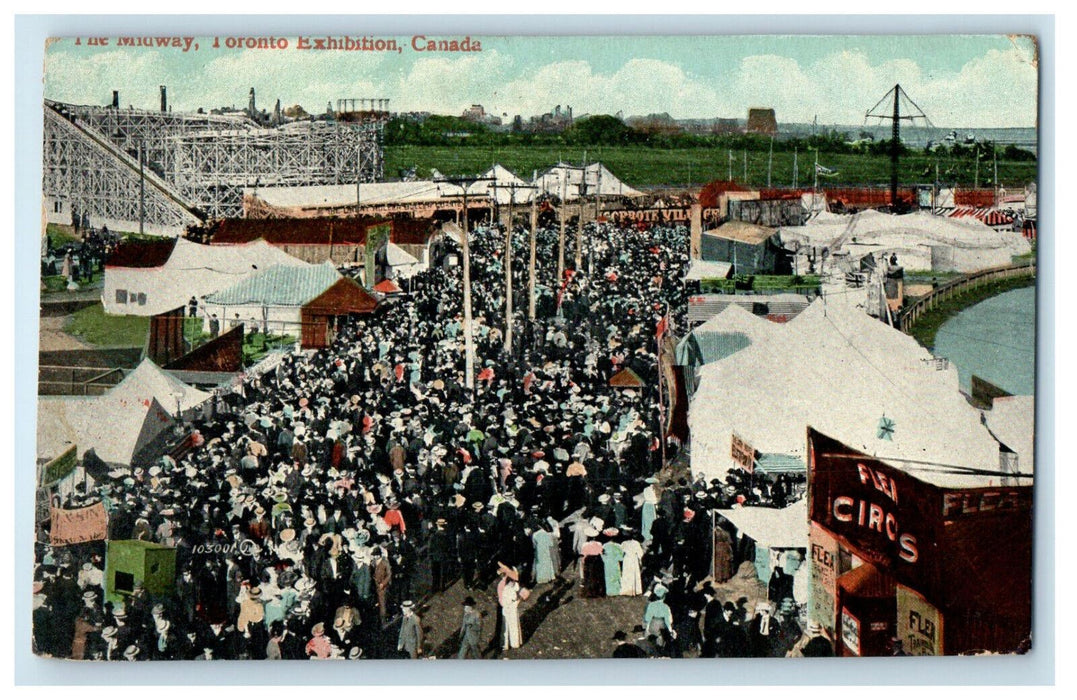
{"type": "Point", "coordinates": [643, 166]}
{"type": "Point", "coordinates": [927, 326]}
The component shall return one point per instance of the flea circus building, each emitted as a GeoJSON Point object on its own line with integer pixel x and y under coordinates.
{"type": "Point", "coordinates": [939, 561]}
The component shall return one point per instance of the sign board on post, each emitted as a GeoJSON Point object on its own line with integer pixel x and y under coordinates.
{"type": "Point", "coordinates": [823, 551]}
{"type": "Point", "coordinates": [850, 631]}
{"type": "Point", "coordinates": [743, 454]}
{"type": "Point", "coordinates": [919, 624]}
{"type": "Point", "coordinates": [60, 467]}
{"type": "Point", "coordinates": [79, 525]}
{"type": "Point", "coordinates": [376, 237]}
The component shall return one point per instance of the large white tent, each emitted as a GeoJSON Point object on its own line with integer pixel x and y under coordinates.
{"type": "Point", "coordinates": [921, 241]}
{"type": "Point", "coordinates": [502, 185]}
{"type": "Point", "coordinates": [119, 424]}
{"type": "Point", "coordinates": [849, 376]}
{"type": "Point", "coordinates": [564, 180]}
{"type": "Point", "coordinates": [192, 269]}
{"type": "Point", "coordinates": [776, 528]}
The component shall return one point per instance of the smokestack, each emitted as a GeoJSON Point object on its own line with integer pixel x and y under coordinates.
{"type": "Point", "coordinates": [115, 99]}
{"type": "Point", "coordinates": [164, 99]}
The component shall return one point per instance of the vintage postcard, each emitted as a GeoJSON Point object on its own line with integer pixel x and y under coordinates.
{"type": "Point", "coordinates": [476, 347]}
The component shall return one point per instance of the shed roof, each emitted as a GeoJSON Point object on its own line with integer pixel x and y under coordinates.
{"type": "Point", "coordinates": [742, 232]}
{"type": "Point", "coordinates": [345, 296]}
{"type": "Point", "coordinates": [279, 286]}
{"type": "Point", "coordinates": [626, 378]}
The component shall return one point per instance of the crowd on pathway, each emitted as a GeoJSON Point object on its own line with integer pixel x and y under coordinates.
{"type": "Point", "coordinates": [314, 509]}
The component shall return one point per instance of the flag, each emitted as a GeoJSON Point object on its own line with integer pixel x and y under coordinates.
{"type": "Point", "coordinates": [824, 171]}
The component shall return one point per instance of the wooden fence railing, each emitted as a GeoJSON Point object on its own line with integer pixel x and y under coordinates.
{"type": "Point", "coordinates": [911, 313]}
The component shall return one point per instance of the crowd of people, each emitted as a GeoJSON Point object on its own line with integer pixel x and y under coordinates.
{"type": "Point", "coordinates": [78, 261]}
{"type": "Point", "coordinates": [310, 510]}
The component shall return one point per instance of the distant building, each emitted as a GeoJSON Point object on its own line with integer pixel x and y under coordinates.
{"type": "Point", "coordinates": [474, 113]}
{"type": "Point", "coordinates": [762, 121]}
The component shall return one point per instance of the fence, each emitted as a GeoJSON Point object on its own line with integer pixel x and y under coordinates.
{"type": "Point", "coordinates": [958, 286]}
{"type": "Point", "coordinates": [67, 380]}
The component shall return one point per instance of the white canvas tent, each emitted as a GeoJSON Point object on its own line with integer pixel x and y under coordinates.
{"type": "Point", "coordinates": [402, 264]}
{"type": "Point", "coordinates": [565, 179]}
{"type": "Point", "coordinates": [370, 194]}
{"type": "Point", "coordinates": [837, 370]}
{"type": "Point", "coordinates": [776, 528]}
{"type": "Point", "coordinates": [192, 269]}
{"type": "Point", "coordinates": [501, 188]}
{"type": "Point", "coordinates": [707, 269]}
{"type": "Point", "coordinates": [119, 424]}
{"type": "Point", "coordinates": [921, 241]}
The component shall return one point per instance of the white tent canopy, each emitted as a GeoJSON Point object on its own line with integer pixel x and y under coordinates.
{"type": "Point", "coordinates": [505, 187]}
{"type": "Point", "coordinates": [921, 241]}
{"type": "Point", "coordinates": [777, 528]}
{"type": "Point", "coordinates": [564, 179]}
{"type": "Point", "coordinates": [118, 424]}
{"type": "Point", "coordinates": [836, 369]}
{"type": "Point", "coordinates": [707, 269]}
{"type": "Point", "coordinates": [192, 269]}
{"type": "Point", "coordinates": [403, 263]}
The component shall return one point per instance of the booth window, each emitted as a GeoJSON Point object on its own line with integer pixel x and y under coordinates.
{"type": "Point", "coordinates": [121, 296]}
{"type": "Point", "coordinates": [123, 582]}
{"type": "Point", "coordinates": [141, 298]}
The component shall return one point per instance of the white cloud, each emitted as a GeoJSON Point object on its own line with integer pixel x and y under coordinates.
{"type": "Point", "coordinates": [995, 89]}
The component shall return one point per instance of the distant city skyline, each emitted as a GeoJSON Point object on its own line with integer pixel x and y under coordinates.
{"type": "Point", "coordinates": [959, 81]}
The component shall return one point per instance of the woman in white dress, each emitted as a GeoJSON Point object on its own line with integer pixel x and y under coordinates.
{"type": "Point", "coordinates": [630, 568]}
{"type": "Point", "coordinates": [509, 598]}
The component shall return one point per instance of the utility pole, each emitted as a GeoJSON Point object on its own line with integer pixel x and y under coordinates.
{"type": "Point", "coordinates": [745, 154]}
{"type": "Point", "coordinates": [994, 176]}
{"type": "Point", "coordinates": [729, 174]}
{"type": "Point", "coordinates": [141, 192]}
{"type": "Point", "coordinates": [895, 116]}
{"type": "Point", "coordinates": [469, 340]}
{"type": "Point", "coordinates": [770, 160]}
{"type": "Point", "coordinates": [795, 168]}
{"type": "Point", "coordinates": [508, 273]}
{"type": "Point", "coordinates": [531, 266]}
{"type": "Point", "coordinates": [579, 223]}
{"type": "Point", "coordinates": [561, 234]}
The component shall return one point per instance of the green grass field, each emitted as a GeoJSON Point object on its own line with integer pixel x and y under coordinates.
{"type": "Point", "coordinates": [650, 167]}
{"type": "Point", "coordinates": [94, 327]}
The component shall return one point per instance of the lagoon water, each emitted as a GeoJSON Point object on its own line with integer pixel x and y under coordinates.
{"type": "Point", "coordinates": [995, 340]}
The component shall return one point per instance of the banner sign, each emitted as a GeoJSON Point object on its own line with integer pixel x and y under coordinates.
{"type": "Point", "coordinates": [883, 513]}
{"type": "Point", "coordinates": [663, 215]}
{"type": "Point", "coordinates": [79, 525]}
{"type": "Point", "coordinates": [824, 577]}
{"type": "Point", "coordinates": [850, 631]}
{"type": "Point", "coordinates": [376, 237]}
{"type": "Point", "coordinates": [743, 453]}
{"type": "Point", "coordinates": [919, 624]}
{"type": "Point", "coordinates": [60, 467]}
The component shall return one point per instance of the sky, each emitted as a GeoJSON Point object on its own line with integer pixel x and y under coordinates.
{"type": "Point", "coordinates": [958, 81]}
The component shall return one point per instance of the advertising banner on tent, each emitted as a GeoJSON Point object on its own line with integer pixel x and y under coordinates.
{"type": "Point", "coordinates": [60, 467]}
{"type": "Point", "coordinates": [79, 525]}
{"type": "Point", "coordinates": [824, 575]}
{"type": "Point", "coordinates": [850, 631]}
{"type": "Point", "coordinates": [376, 237]}
{"type": "Point", "coordinates": [919, 624]}
{"type": "Point", "coordinates": [743, 454]}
